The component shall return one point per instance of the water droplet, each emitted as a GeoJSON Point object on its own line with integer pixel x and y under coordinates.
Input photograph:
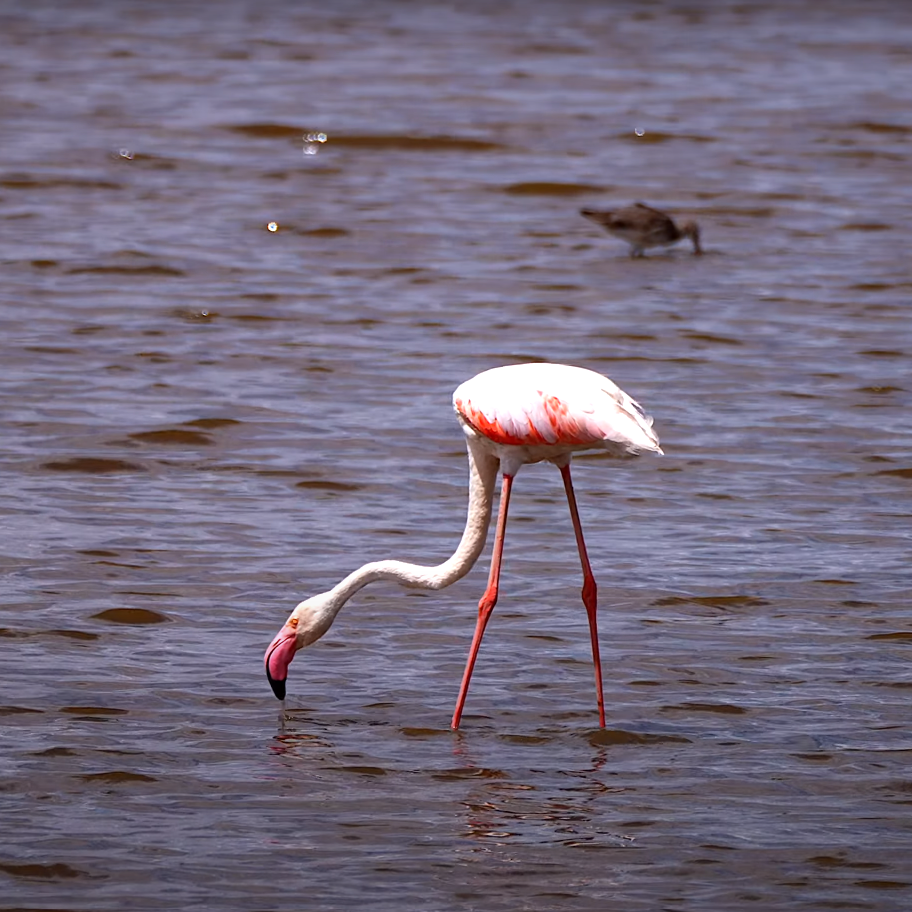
{"type": "Point", "coordinates": [310, 142]}
{"type": "Point", "coordinates": [639, 131]}
{"type": "Point", "coordinates": [127, 154]}
{"type": "Point", "coordinates": [273, 226]}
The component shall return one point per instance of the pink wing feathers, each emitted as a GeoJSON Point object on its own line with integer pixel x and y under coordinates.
{"type": "Point", "coordinates": [554, 405]}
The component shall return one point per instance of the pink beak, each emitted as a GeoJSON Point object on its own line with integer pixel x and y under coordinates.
{"type": "Point", "coordinates": [278, 657]}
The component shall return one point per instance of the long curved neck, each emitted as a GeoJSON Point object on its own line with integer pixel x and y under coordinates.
{"type": "Point", "coordinates": [482, 479]}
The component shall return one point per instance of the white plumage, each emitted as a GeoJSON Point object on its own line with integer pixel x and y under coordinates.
{"type": "Point", "coordinates": [531, 412]}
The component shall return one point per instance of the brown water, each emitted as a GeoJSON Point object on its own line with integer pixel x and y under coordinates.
{"type": "Point", "coordinates": [205, 421]}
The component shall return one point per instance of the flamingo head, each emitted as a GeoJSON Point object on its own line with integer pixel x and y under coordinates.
{"type": "Point", "coordinates": [305, 625]}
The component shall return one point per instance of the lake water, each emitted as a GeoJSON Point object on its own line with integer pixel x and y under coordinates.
{"type": "Point", "coordinates": [205, 421]}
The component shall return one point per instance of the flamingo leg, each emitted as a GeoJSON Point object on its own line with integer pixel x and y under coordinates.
{"type": "Point", "coordinates": [488, 600]}
{"type": "Point", "coordinates": [590, 590]}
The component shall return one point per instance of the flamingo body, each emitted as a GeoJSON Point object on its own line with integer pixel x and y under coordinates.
{"type": "Point", "coordinates": [531, 412]}
{"type": "Point", "coordinates": [511, 416]}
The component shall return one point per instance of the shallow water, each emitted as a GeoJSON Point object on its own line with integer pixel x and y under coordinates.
{"type": "Point", "coordinates": [205, 421]}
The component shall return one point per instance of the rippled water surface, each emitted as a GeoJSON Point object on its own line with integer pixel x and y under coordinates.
{"type": "Point", "coordinates": [205, 420]}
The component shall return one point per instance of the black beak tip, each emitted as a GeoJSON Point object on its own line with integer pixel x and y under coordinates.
{"type": "Point", "coordinates": [278, 687]}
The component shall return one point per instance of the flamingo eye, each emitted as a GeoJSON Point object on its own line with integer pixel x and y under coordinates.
{"type": "Point", "coordinates": [292, 622]}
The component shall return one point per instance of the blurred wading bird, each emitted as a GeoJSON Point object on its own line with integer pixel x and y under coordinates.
{"type": "Point", "coordinates": [642, 227]}
{"type": "Point", "coordinates": [511, 416]}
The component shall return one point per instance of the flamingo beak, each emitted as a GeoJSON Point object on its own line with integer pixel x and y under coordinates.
{"type": "Point", "coordinates": [278, 657]}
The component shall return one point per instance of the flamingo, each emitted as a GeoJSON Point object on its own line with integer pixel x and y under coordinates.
{"type": "Point", "coordinates": [642, 226]}
{"type": "Point", "coordinates": [511, 416]}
